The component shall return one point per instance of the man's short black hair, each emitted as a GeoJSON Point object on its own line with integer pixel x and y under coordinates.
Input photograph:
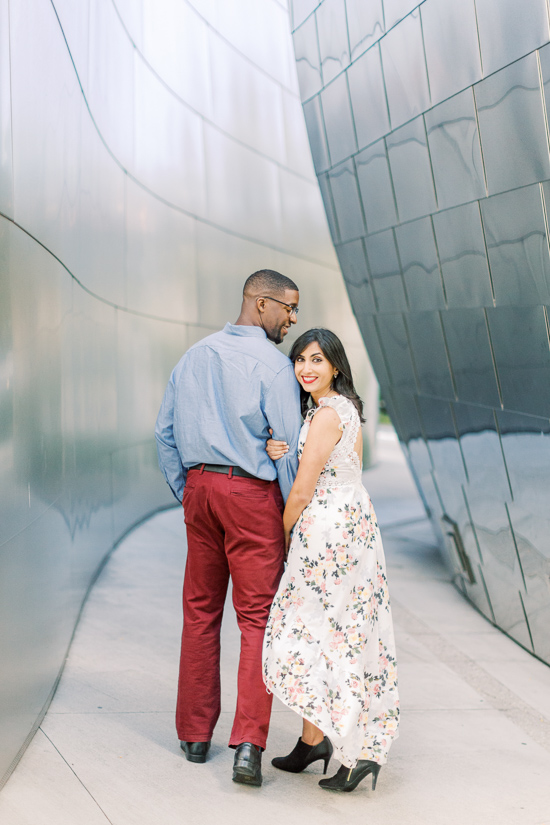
{"type": "Point", "coordinates": [268, 281]}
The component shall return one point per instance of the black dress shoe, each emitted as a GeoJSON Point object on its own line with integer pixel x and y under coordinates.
{"type": "Point", "coordinates": [247, 767]}
{"type": "Point", "coordinates": [195, 751]}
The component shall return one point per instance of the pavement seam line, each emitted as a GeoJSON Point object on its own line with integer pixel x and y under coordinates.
{"type": "Point", "coordinates": [90, 794]}
{"type": "Point", "coordinates": [501, 698]}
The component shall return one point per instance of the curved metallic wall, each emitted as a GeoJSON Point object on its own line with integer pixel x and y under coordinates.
{"type": "Point", "coordinates": [429, 130]}
{"type": "Point", "coordinates": [151, 157]}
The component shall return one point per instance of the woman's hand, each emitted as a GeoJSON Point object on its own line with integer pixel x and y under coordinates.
{"type": "Point", "coordinates": [276, 449]}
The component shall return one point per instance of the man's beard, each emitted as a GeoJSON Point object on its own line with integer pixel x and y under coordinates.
{"type": "Point", "coordinates": [276, 335]}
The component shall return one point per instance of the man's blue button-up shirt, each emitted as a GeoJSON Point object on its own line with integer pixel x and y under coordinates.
{"type": "Point", "coordinates": [223, 396]}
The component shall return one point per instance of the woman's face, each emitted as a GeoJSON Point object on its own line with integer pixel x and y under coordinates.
{"type": "Point", "coordinates": [313, 371]}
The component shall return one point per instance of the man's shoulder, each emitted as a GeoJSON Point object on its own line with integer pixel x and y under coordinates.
{"type": "Point", "coordinates": [257, 349]}
{"type": "Point", "coordinates": [209, 340]}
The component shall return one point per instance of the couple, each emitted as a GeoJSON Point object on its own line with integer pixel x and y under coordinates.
{"type": "Point", "coordinates": [323, 631]}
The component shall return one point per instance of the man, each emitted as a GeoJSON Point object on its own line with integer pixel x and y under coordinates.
{"type": "Point", "coordinates": [222, 399]}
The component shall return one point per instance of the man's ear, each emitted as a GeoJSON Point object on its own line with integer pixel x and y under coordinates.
{"type": "Point", "coordinates": [260, 304]}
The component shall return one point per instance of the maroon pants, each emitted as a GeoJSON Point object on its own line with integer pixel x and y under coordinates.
{"type": "Point", "coordinates": [234, 528]}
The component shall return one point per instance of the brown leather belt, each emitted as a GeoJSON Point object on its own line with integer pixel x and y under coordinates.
{"type": "Point", "coordinates": [223, 468]}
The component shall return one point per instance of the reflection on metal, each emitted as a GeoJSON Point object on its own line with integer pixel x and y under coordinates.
{"type": "Point", "coordinates": [454, 534]}
{"type": "Point", "coordinates": [149, 160]}
{"type": "Point", "coordinates": [429, 132]}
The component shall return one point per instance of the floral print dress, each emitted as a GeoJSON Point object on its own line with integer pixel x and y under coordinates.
{"type": "Point", "coordinates": [329, 651]}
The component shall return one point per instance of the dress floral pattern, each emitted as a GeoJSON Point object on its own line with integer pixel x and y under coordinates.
{"type": "Point", "coordinates": [329, 650]}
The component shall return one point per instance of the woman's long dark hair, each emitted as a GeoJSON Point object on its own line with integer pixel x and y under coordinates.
{"type": "Point", "coordinates": [334, 352]}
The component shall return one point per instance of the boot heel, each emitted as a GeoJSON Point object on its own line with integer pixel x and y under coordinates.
{"type": "Point", "coordinates": [375, 773]}
{"type": "Point", "coordinates": [327, 760]}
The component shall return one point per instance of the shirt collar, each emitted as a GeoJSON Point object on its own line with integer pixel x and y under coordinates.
{"type": "Point", "coordinates": [245, 331]}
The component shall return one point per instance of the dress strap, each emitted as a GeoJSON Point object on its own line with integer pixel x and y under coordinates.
{"type": "Point", "coordinates": [342, 405]}
{"type": "Point", "coordinates": [345, 408]}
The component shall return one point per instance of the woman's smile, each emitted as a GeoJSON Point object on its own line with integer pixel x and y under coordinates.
{"type": "Point", "coordinates": [319, 381]}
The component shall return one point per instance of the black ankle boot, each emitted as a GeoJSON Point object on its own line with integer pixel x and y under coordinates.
{"type": "Point", "coordinates": [303, 755]}
{"type": "Point", "coordinates": [348, 780]}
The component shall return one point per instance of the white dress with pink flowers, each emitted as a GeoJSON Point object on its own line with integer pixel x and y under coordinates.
{"type": "Point", "coordinates": [329, 651]}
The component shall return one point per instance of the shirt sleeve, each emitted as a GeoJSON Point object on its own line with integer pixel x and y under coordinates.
{"type": "Point", "coordinates": [282, 410]}
{"type": "Point", "coordinates": [169, 458]}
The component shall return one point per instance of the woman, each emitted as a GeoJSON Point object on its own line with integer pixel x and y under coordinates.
{"type": "Point", "coordinates": [329, 650]}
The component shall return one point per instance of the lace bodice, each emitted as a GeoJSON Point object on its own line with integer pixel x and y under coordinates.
{"type": "Point", "coordinates": [343, 464]}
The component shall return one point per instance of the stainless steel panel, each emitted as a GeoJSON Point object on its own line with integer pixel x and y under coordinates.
{"type": "Point", "coordinates": [345, 196]}
{"type": "Point", "coordinates": [411, 170]}
{"type": "Point", "coordinates": [339, 120]}
{"type": "Point", "coordinates": [326, 194]}
{"type": "Point", "coordinates": [470, 355]}
{"type": "Point", "coordinates": [517, 245]}
{"type": "Point", "coordinates": [420, 264]}
{"type": "Point", "coordinates": [508, 30]}
{"type": "Point", "coordinates": [510, 103]}
{"type": "Point", "coordinates": [375, 185]}
{"type": "Point", "coordinates": [258, 31]}
{"type": "Point", "coordinates": [519, 337]}
{"type": "Point", "coordinates": [308, 60]}
{"type": "Point", "coordinates": [463, 256]}
{"type": "Point", "coordinates": [500, 568]}
{"type": "Point", "coordinates": [333, 38]}
{"type": "Point", "coordinates": [159, 239]}
{"type": "Point", "coordinates": [297, 155]}
{"type": "Point", "coordinates": [438, 426]}
{"type": "Point", "coordinates": [300, 207]}
{"type": "Point", "coordinates": [111, 89]}
{"type": "Point", "coordinates": [525, 443]}
{"type": "Point", "coordinates": [368, 97]}
{"type": "Point", "coordinates": [482, 452]}
{"type": "Point", "coordinates": [397, 351]}
{"type": "Point", "coordinates": [95, 252]}
{"type": "Point", "coordinates": [257, 92]}
{"type": "Point", "coordinates": [367, 325]}
{"type": "Point", "coordinates": [395, 10]}
{"type": "Point", "coordinates": [455, 151]}
{"type": "Point", "coordinates": [452, 46]}
{"type": "Point", "coordinates": [256, 213]}
{"type": "Point", "coordinates": [405, 70]}
{"type": "Point", "coordinates": [430, 356]}
{"type": "Point", "coordinates": [386, 272]}
{"type": "Point", "coordinates": [544, 58]}
{"type": "Point", "coordinates": [405, 412]}
{"type": "Point", "coordinates": [358, 280]}
{"type": "Point", "coordinates": [300, 10]}
{"type": "Point", "coordinates": [6, 161]}
{"type": "Point", "coordinates": [164, 129]}
{"type": "Point", "coordinates": [132, 17]}
{"type": "Point", "coordinates": [313, 114]}
{"type": "Point", "coordinates": [365, 24]}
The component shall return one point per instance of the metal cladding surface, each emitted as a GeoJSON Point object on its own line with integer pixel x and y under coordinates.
{"type": "Point", "coordinates": [428, 125]}
{"type": "Point", "coordinates": [151, 157]}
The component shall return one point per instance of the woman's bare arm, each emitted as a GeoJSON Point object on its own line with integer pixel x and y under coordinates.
{"type": "Point", "coordinates": [324, 433]}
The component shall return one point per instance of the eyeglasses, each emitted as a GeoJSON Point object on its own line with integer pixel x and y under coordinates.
{"type": "Point", "coordinates": [292, 309]}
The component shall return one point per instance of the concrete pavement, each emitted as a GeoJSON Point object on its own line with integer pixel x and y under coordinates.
{"type": "Point", "coordinates": [475, 735]}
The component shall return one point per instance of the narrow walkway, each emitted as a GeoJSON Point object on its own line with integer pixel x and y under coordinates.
{"type": "Point", "coordinates": [475, 735]}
